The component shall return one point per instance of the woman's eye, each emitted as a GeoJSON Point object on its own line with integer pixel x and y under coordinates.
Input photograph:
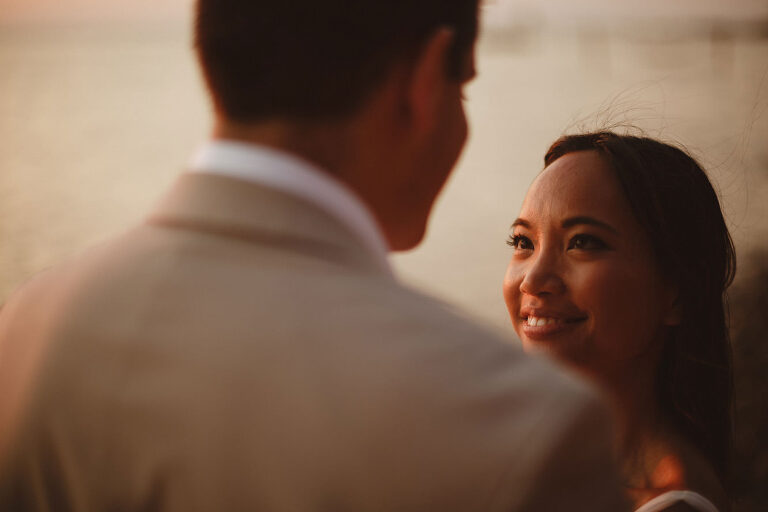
{"type": "Point", "coordinates": [520, 242]}
{"type": "Point", "coordinates": [586, 243]}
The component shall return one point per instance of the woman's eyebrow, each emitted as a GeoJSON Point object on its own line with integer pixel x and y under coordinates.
{"type": "Point", "coordinates": [521, 222]}
{"type": "Point", "coordinates": [590, 221]}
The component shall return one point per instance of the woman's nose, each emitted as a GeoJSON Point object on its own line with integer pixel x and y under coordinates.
{"type": "Point", "coordinates": [543, 276]}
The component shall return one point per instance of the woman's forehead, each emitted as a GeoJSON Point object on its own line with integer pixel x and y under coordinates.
{"type": "Point", "coordinates": [578, 183]}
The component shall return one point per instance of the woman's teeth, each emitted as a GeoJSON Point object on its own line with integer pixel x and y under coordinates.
{"type": "Point", "coordinates": [536, 321]}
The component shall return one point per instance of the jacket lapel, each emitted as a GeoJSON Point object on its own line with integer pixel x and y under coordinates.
{"type": "Point", "coordinates": [234, 208]}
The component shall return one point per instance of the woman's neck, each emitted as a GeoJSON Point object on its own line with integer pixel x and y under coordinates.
{"type": "Point", "coordinates": [631, 392]}
{"type": "Point", "coordinates": [647, 452]}
{"type": "Point", "coordinates": [655, 459]}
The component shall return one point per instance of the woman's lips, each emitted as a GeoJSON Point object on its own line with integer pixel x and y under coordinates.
{"type": "Point", "coordinates": [542, 328]}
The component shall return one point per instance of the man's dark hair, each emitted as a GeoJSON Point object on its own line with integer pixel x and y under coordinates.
{"type": "Point", "coordinates": [315, 59]}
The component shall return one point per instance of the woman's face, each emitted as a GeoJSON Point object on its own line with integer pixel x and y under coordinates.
{"type": "Point", "coordinates": [581, 284]}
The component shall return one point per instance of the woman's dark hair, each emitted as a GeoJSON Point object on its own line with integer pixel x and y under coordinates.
{"type": "Point", "coordinates": [312, 59]}
{"type": "Point", "coordinates": [673, 200]}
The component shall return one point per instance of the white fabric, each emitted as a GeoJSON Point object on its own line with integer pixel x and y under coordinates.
{"type": "Point", "coordinates": [691, 498]}
{"type": "Point", "coordinates": [295, 176]}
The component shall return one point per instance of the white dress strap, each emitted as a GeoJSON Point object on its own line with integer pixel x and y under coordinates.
{"type": "Point", "coordinates": [691, 498]}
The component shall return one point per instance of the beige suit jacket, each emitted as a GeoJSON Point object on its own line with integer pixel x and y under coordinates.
{"type": "Point", "coordinates": [242, 351]}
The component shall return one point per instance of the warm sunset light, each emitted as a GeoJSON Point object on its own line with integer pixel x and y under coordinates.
{"type": "Point", "coordinates": [53, 11]}
{"type": "Point", "coordinates": [393, 254]}
{"type": "Point", "coordinates": [74, 11]}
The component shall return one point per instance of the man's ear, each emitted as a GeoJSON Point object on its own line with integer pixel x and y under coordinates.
{"type": "Point", "coordinates": [428, 81]}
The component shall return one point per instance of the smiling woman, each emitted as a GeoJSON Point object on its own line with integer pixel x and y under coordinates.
{"type": "Point", "coordinates": [620, 261]}
{"type": "Point", "coordinates": [577, 234]}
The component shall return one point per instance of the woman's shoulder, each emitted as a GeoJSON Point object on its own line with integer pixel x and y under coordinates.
{"type": "Point", "coordinates": [678, 501]}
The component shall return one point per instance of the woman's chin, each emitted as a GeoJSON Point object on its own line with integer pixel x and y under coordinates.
{"type": "Point", "coordinates": [566, 351]}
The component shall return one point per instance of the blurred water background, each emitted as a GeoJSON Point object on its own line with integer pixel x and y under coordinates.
{"type": "Point", "coordinates": [97, 117]}
{"type": "Point", "coordinates": [101, 107]}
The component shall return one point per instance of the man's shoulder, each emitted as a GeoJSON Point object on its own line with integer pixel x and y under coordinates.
{"type": "Point", "coordinates": [423, 324]}
{"type": "Point", "coordinates": [372, 366]}
{"type": "Point", "coordinates": [279, 301]}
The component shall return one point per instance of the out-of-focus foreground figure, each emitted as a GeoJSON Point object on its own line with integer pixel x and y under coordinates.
{"type": "Point", "coordinates": [247, 346]}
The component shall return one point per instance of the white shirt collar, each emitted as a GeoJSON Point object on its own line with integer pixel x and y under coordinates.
{"type": "Point", "coordinates": [291, 174]}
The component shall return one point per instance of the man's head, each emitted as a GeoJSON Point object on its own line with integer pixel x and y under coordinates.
{"type": "Point", "coordinates": [310, 59]}
{"type": "Point", "coordinates": [383, 75]}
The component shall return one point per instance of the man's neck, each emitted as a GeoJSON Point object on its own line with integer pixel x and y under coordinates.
{"type": "Point", "coordinates": [320, 145]}
{"type": "Point", "coordinates": [360, 152]}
